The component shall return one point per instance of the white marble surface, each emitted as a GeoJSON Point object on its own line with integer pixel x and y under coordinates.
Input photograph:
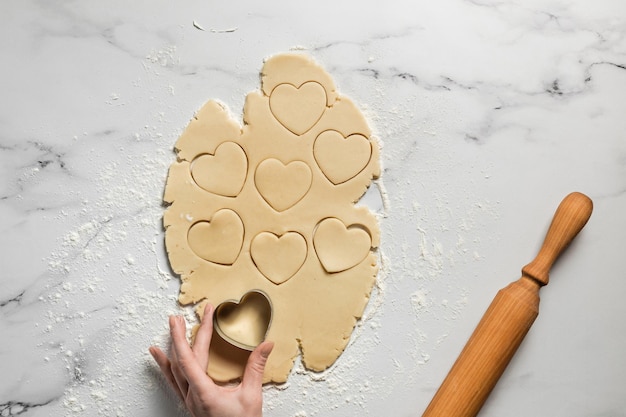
{"type": "Point", "coordinates": [489, 112]}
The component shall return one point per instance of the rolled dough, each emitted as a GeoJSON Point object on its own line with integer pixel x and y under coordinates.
{"type": "Point", "coordinates": [270, 206]}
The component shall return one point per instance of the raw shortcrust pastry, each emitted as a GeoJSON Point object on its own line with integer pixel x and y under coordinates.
{"type": "Point", "coordinates": [270, 207]}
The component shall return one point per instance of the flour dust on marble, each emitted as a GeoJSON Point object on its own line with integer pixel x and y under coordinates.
{"type": "Point", "coordinates": [107, 299]}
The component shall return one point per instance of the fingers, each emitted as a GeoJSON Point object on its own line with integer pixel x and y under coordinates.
{"type": "Point", "coordinates": [188, 366]}
{"type": "Point", "coordinates": [253, 374]}
{"type": "Point", "coordinates": [203, 338]}
{"type": "Point", "coordinates": [166, 369]}
{"type": "Point", "coordinates": [177, 322]}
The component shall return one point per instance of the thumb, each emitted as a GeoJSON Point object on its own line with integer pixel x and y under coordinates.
{"type": "Point", "coordinates": [253, 374]}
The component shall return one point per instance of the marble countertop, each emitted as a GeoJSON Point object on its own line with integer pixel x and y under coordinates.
{"type": "Point", "coordinates": [488, 113]}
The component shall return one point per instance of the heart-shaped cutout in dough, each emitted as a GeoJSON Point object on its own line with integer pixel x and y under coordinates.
{"type": "Point", "coordinates": [244, 323]}
{"type": "Point", "coordinates": [282, 186]}
{"type": "Point", "coordinates": [339, 247]}
{"type": "Point", "coordinates": [298, 108]}
{"type": "Point", "coordinates": [341, 158]}
{"type": "Point", "coordinates": [278, 257]}
{"type": "Point", "coordinates": [218, 240]}
{"type": "Point", "coordinates": [222, 173]}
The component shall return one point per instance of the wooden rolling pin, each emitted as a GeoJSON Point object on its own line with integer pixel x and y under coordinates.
{"type": "Point", "coordinates": [507, 320]}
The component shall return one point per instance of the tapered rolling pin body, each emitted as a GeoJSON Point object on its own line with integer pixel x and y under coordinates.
{"type": "Point", "coordinates": [507, 320]}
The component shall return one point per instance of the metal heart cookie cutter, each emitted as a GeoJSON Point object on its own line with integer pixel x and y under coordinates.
{"type": "Point", "coordinates": [244, 323]}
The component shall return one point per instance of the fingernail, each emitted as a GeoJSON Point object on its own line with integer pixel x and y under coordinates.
{"type": "Point", "coordinates": [266, 349]}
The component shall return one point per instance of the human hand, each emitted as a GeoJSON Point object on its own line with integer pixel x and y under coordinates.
{"type": "Point", "coordinates": [186, 373]}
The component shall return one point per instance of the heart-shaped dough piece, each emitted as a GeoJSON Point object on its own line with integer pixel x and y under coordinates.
{"type": "Point", "coordinates": [298, 108]}
{"type": "Point", "coordinates": [218, 240]}
{"type": "Point", "coordinates": [222, 173]}
{"type": "Point", "coordinates": [278, 257]}
{"type": "Point", "coordinates": [341, 158]}
{"type": "Point", "coordinates": [244, 323]}
{"type": "Point", "coordinates": [282, 186]}
{"type": "Point", "coordinates": [339, 247]}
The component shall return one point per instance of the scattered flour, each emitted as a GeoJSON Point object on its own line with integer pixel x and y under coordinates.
{"type": "Point", "coordinates": [111, 290]}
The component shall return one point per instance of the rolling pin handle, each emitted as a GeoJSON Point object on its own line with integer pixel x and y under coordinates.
{"type": "Point", "coordinates": [570, 217]}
